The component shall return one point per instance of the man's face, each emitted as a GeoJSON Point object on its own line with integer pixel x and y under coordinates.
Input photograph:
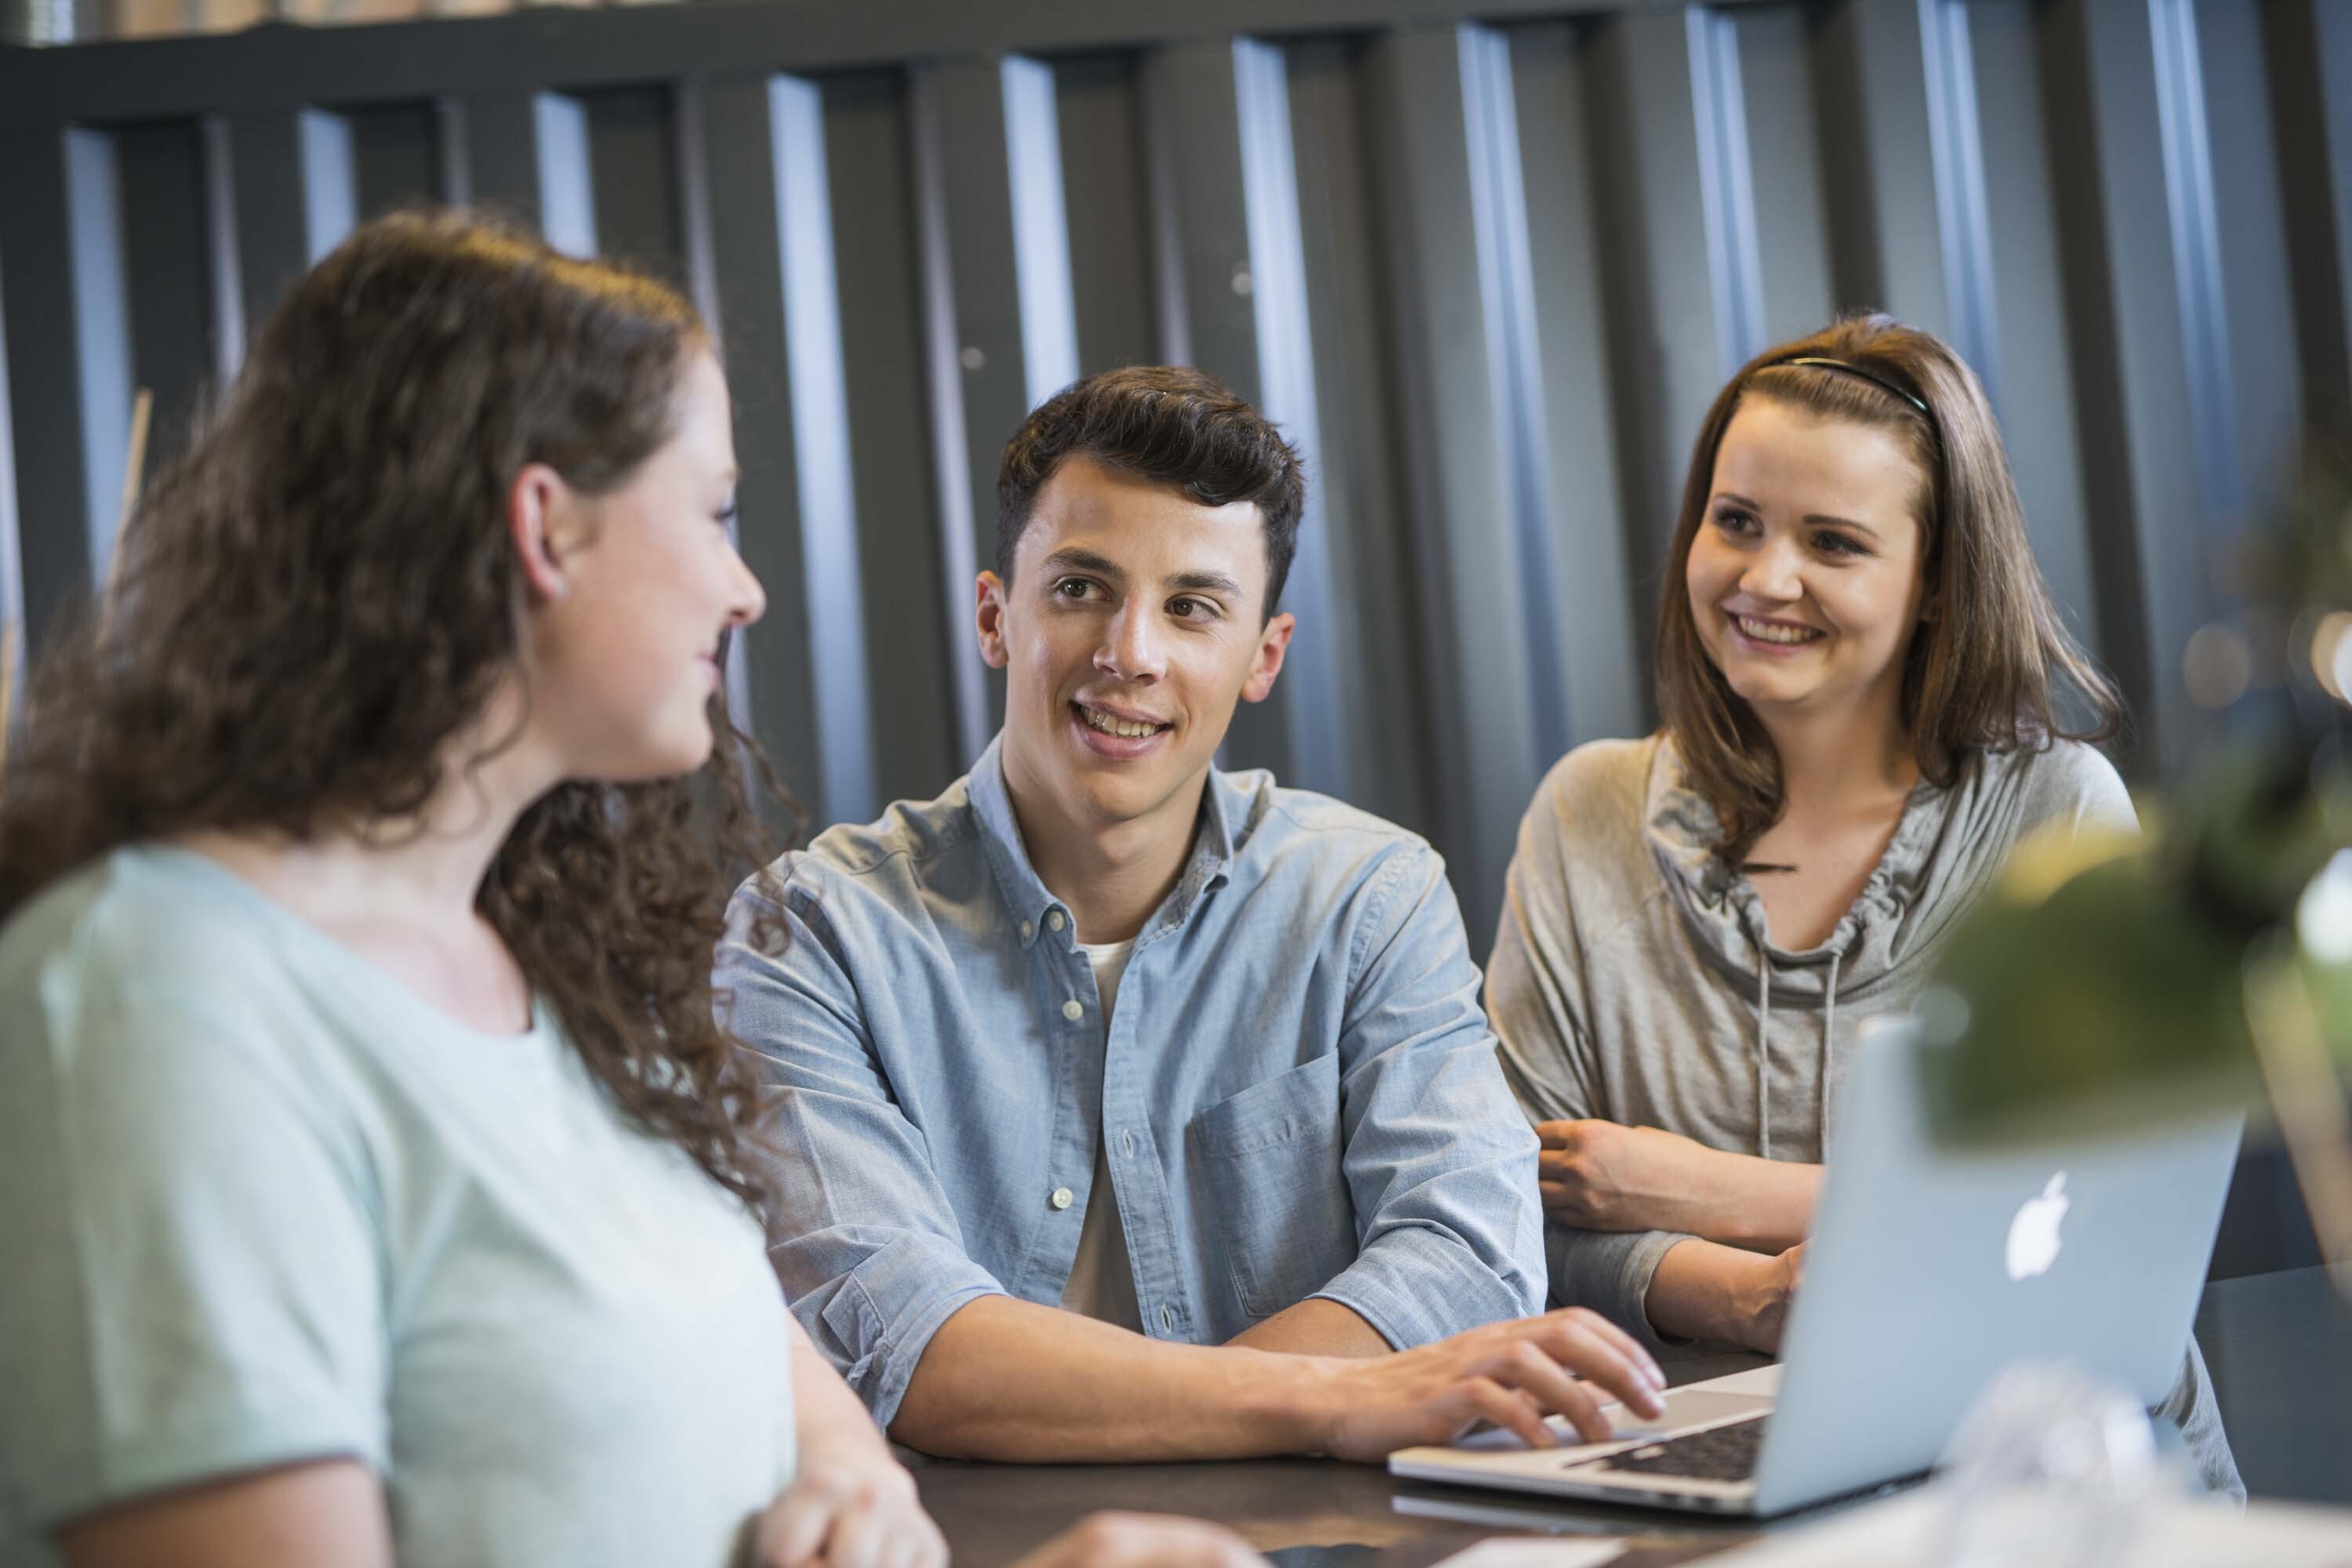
{"type": "Point", "coordinates": [1133, 623]}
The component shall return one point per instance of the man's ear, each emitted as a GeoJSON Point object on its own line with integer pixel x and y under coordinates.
{"type": "Point", "coordinates": [991, 595]}
{"type": "Point", "coordinates": [1273, 643]}
{"type": "Point", "coordinates": [542, 529]}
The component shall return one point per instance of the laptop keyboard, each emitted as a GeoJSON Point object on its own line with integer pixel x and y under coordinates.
{"type": "Point", "coordinates": [1718, 1454]}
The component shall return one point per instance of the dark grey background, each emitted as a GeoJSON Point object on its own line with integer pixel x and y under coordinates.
{"type": "Point", "coordinates": [1487, 262]}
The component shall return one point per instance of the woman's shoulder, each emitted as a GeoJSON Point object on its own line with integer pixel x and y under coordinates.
{"type": "Point", "coordinates": [143, 932]}
{"type": "Point", "coordinates": [2069, 781]}
{"type": "Point", "coordinates": [1584, 835]}
{"type": "Point", "coordinates": [1598, 783]}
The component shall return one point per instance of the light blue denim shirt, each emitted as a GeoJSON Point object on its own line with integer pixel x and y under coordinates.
{"type": "Point", "coordinates": [1298, 1085]}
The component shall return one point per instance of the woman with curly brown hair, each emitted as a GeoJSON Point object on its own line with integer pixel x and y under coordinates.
{"type": "Point", "coordinates": [380, 1185]}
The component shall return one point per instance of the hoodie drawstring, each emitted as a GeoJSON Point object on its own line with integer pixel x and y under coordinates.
{"type": "Point", "coordinates": [1829, 1034]}
{"type": "Point", "coordinates": [1763, 1061]}
{"type": "Point", "coordinates": [1763, 1057]}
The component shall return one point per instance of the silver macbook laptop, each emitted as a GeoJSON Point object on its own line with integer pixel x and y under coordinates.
{"type": "Point", "coordinates": [1929, 1270]}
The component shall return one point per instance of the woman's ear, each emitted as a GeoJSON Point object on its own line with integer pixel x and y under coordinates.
{"type": "Point", "coordinates": [540, 527]}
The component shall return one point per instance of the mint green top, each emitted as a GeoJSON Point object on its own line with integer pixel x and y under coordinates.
{"type": "Point", "coordinates": [259, 1203]}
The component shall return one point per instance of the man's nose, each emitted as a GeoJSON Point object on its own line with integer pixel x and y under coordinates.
{"type": "Point", "coordinates": [1131, 645]}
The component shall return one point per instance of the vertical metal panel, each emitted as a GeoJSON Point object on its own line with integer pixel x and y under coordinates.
{"type": "Point", "coordinates": [633, 160]}
{"type": "Point", "coordinates": [101, 321]}
{"type": "Point", "coordinates": [1878, 98]}
{"type": "Point", "coordinates": [1601, 664]}
{"type": "Point", "coordinates": [1498, 217]}
{"type": "Point", "coordinates": [1460, 515]}
{"type": "Point", "coordinates": [1195, 118]}
{"type": "Point", "coordinates": [226, 298]}
{"type": "Point", "coordinates": [972, 324]}
{"type": "Point", "coordinates": [328, 167]}
{"type": "Point", "coordinates": [65, 310]}
{"type": "Point", "coordinates": [1106, 179]}
{"type": "Point", "coordinates": [912, 604]}
{"type": "Point", "coordinates": [1727, 183]}
{"type": "Point", "coordinates": [2196, 252]}
{"type": "Point", "coordinates": [2024, 304]}
{"type": "Point", "coordinates": [1665, 337]}
{"type": "Point", "coordinates": [290, 187]}
{"type": "Point", "coordinates": [1041, 230]}
{"type": "Point", "coordinates": [396, 156]}
{"type": "Point", "coordinates": [736, 150]}
{"type": "Point", "coordinates": [1198, 122]}
{"type": "Point", "coordinates": [12, 560]}
{"type": "Point", "coordinates": [167, 274]}
{"type": "Point", "coordinates": [1384, 680]}
{"type": "Point", "coordinates": [525, 155]}
{"type": "Point", "coordinates": [1319, 752]}
{"type": "Point", "coordinates": [2152, 558]}
{"type": "Point", "coordinates": [2256, 293]}
{"type": "Point", "coordinates": [828, 498]}
{"type": "Point", "coordinates": [1786, 201]}
{"type": "Point", "coordinates": [2310, 57]}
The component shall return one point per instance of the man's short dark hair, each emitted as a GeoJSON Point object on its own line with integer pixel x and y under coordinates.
{"type": "Point", "coordinates": [1170, 424]}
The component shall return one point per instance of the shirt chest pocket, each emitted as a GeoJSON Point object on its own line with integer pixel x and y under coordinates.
{"type": "Point", "coordinates": [1270, 1160]}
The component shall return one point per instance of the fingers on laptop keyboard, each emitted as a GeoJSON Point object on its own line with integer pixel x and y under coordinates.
{"type": "Point", "coordinates": [1588, 1343]}
{"type": "Point", "coordinates": [1513, 1409]}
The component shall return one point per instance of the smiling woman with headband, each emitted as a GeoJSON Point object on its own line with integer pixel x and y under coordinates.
{"type": "Point", "coordinates": [1867, 697]}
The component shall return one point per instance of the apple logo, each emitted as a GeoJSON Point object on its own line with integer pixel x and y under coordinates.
{"type": "Point", "coordinates": [2033, 1233]}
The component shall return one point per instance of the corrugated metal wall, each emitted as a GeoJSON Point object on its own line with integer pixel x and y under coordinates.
{"type": "Point", "coordinates": [1488, 273]}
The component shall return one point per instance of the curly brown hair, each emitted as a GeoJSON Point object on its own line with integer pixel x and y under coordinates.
{"type": "Point", "coordinates": [312, 602]}
{"type": "Point", "coordinates": [1986, 673]}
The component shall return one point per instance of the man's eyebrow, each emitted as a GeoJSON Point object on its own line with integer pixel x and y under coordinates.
{"type": "Point", "coordinates": [1077, 560]}
{"type": "Point", "coordinates": [1204, 582]}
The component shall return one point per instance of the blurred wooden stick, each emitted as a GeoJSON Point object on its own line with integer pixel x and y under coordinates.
{"type": "Point", "coordinates": [2291, 1048]}
{"type": "Point", "coordinates": [7, 692]}
{"type": "Point", "coordinates": [134, 470]}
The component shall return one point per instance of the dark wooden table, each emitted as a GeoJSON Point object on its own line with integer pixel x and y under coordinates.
{"type": "Point", "coordinates": [2279, 1346]}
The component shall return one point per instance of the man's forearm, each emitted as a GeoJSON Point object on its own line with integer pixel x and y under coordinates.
{"type": "Point", "coordinates": [1015, 1382]}
{"type": "Point", "coordinates": [1704, 1290]}
{"type": "Point", "coordinates": [1315, 1327]}
{"type": "Point", "coordinates": [1762, 1205]}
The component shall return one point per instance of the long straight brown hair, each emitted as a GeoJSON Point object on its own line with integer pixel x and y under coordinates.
{"type": "Point", "coordinates": [1984, 674]}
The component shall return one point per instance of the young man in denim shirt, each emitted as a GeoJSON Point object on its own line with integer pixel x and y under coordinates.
{"type": "Point", "coordinates": [1130, 1109]}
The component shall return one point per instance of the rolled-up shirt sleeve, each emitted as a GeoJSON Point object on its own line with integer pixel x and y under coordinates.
{"type": "Point", "coordinates": [1535, 998]}
{"type": "Point", "coordinates": [865, 1241]}
{"type": "Point", "coordinates": [1440, 1166]}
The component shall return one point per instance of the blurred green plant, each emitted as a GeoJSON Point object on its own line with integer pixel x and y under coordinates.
{"type": "Point", "coordinates": [2111, 983]}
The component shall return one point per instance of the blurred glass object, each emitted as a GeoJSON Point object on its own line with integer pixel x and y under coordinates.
{"type": "Point", "coordinates": [2052, 1469]}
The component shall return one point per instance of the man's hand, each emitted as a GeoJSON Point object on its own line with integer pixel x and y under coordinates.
{"type": "Point", "coordinates": [1512, 1374]}
{"type": "Point", "coordinates": [1767, 1307]}
{"type": "Point", "coordinates": [853, 1509]}
{"type": "Point", "coordinates": [1143, 1540]}
{"type": "Point", "coordinates": [1599, 1175]}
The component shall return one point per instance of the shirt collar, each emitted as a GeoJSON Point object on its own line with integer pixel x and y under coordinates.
{"type": "Point", "coordinates": [1027, 898]}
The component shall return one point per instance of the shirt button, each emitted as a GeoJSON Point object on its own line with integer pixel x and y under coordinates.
{"type": "Point", "coordinates": [1126, 1143]}
{"type": "Point", "coordinates": [1073, 1010]}
{"type": "Point", "coordinates": [1027, 931]}
{"type": "Point", "coordinates": [1168, 1319]}
{"type": "Point", "coordinates": [1053, 919]}
{"type": "Point", "coordinates": [1063, 1198]}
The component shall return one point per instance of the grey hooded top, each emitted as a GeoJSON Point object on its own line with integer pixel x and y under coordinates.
{"type": "Point", "coordinates": [1633, 978]}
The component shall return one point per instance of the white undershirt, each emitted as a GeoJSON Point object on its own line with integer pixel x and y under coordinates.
{"type": "Point", "coordinates": [1102, 1280]}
